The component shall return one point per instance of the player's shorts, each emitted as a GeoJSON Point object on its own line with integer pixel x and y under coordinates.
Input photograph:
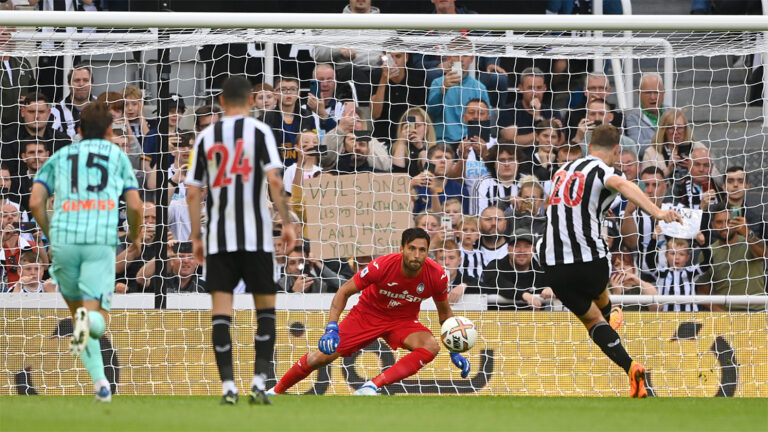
{"type": "Point", "coordinates": [577, 285]}
{"type": "Point", "coordinates": [358, 329]}
{"type": "Point", "coordinates": [85, 272]}
{"type": "Point", "coordinates": [224, 271]}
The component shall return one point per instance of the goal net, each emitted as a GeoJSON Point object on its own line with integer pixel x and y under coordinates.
{"type": "Point", "coordinates": [457, 132]}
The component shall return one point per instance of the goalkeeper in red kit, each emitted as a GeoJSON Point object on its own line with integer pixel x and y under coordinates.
{"type": "Point", "coordinates": [393, 287]}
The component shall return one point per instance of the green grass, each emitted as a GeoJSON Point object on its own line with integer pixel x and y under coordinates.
{"type": "Point", "coordinates": [384, 413]}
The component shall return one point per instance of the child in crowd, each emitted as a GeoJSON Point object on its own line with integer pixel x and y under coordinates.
{"type": "Point", "coordinates": [678, 277]}
{"type": "Point", "coordinates": [469, 234]}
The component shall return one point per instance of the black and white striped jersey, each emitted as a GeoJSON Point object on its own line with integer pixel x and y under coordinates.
{"type": "Point", "coordinates": [472, 263]}
{"type": "Point", "coordinates": [678, 282]}
{"type": "Point", "coordinates": [489, 191]}
{"type": "Point", "coordinates": [231, 158]}
{"type": "Point", "coordinates": [575, 213]}
{"type": "Point", "coordinates": [647, 247]}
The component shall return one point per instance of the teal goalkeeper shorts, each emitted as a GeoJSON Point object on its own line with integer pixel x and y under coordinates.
{"type": "Point", "coordinates": [85, 272]}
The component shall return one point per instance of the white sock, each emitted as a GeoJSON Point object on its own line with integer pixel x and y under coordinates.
{"type": "Point", "coordinates": [228, 386]}
{"type": "Point", "coordinates": [258, 381]}
{"type": "Point", "coordinates": [100, 383]}
{"type": "Point", "coordinates": [370, 384]}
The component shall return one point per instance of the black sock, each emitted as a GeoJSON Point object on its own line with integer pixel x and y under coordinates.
{"type": "Point", "coordinates": [222, 345]}
{"type": "Point", "coordinates": [609, 341]}
{"type": "Point", "coordinates": [606, 311]}
{"type": "Point", "coordinates": [264, 342]}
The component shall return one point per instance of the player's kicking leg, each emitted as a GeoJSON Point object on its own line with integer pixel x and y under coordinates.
{"type": "Point", "coordinates": [264, 346]}
{"type": "Point", "coordinates": [88, 292]}
{"type": "Point", "coordinates": [307, 364]}
{"type": "Point", "coordinates": [605, 336]}
{"type": "Point", "coordinates": [423, 349]}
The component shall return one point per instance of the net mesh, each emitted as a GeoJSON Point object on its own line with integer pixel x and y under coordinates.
{"type": "Point", "coordinates": [354, 197]}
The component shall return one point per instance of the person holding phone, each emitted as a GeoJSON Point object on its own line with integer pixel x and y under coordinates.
{"type": "Point", "coordinates": [449, 94]}
{"type": "Point", "coordinates": [473, 147]}
{"type": "Point", "coordinates": [13, 242]}
{"type": "Point", "coordinates": [399, 89]}
{"type": "Point", "coordinates": [409, 150]}
{"type": "Point", "coordinates": [438, 187]}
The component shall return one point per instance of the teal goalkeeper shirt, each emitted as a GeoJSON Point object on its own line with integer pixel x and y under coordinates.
{"type": "Point", "coordinates": [86, 180]}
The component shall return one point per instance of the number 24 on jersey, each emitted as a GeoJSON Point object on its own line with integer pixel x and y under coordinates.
{"type": "Point", "coordinates": [240, 165]}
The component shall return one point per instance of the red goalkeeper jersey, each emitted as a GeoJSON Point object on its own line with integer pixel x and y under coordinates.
{"type": "Point", "coordinates": [389, 294]}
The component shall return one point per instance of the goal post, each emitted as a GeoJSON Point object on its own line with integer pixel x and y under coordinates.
{"type": "Point", "coordinates": [158, 339]}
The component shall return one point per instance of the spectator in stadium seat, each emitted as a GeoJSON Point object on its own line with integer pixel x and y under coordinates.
{"type": "Point", "coordinates": [629, 165]}
{"type": "Point", "coordinates": [448, 256]}
{"type": "Point", "coordinates": [471, 150]}
{"type": "Point", "coordinates": [305, 275]}
{"type": "Point", "coordinates": [13, 243]}
{"type": "Point", "coordinates": [206, 115]}
{"type": "Point", "coordinates": [499, 187]}
{"type": "Point", "coordinates": [332, 100]}
{"type": "Point", "coordinates": [6, 194]}
{"type": "Point", "coordinates": [513, 277]}
{"type": "Point", "coordinates": [641, 125]}
{"type": "Point", "coordinates": [357, 152]}
{"type": "Point", "coordinates": [543, 161]}
{"type": "Point", "coordinates": [17, 77]}
{"type": "Point", "coordinates": [528, 209]}
{"type": "Point", "coordinates": [468, 233]}
{"type": "Point", "coordinates": [625, 279]}
{"type": "Point", "coordinates": [399, 89]}
{"type": "Point", "coordinates": [130, 259]}
{"type": "Point", "coordinates": [596, 86]}
{"type": "Point", "coordinates": [265, 99]}
{"type": "Point", "coordinates": [31, 272]}
{"type": "Point", "coordinates": [334, 142]}
{"type": "Point", "coordinates": [176, 109]}
{"type": "Point", "coordinates": [289, 118]}
{"type": "Point", "coordinates": [142, 164]}
{"type": "Point", "coordinates": [35, 112]}
{"type": "Point", "coordinates": [358, 66]}
{"type": "Point", "coordinates": [453, 209]}
{"type": "Point", "coordinates": [429, 223]}
{"type": "Point", "coordinates": [599, 112]}
{"type": "Point", "coordinates": [698, 188]}
{"type": "Point", "coordinates": [678, 276]}
{"type": "Point", "coordinates": [437, 188]}
{"type": "Point", "coordinates": [735, 263]}
{"type": "Point", "coordinates": [671, 144]}
{"type": "Point", "coordinates": [567, 153]}
{"type": "Point", "coordinates": [449, 94]}
{"type": "Point", "coordinates": [639, 231]}
{"type": "Point", "coordinates": [518, 122]}
{"type": "Point", "coordinates": [490, 73]}
{"type": "Point", "coordinates": [493, 234]}
{"type": "Point", "coordinates": [66, 113]}
{"type": "Point", "coordinates": [145, 133]}
{"type": "Point", "coordinates": [179, 274]}
{"type": "Point", "coordinates": [415, 135]}
{"type": "Point", "coordinates": [307, 158]}
{"type": "Point", "coordinates": [181, 149]}
{"type": "Point", "coordinates": [34, 156]}
{"type": "Point", "coordinates": [740, 204]}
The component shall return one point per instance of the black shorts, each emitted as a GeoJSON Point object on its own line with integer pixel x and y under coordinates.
{"type": "Point", "coordinates": [577, 285]}
{"type": "Point", "coordinates": [224, 270]}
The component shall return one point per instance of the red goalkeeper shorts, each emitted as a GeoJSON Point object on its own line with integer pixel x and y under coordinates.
{"type": "Point", "coordinates": [359, 329]}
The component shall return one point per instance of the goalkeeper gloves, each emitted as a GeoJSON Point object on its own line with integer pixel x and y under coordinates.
{"type": "Point", "coordinates": [462, 363]}
{"type": "Point", "coordinates": [330, 340]}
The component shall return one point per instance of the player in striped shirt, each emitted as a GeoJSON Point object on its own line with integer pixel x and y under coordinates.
{"type": "Point", "coordinates": [87, 180]}
{"type": "Point", "coordinates": [573, 254]}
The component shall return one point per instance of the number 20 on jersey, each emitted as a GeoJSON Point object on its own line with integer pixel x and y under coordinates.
{"type": "Point", "coordinates": [575, 180]}
{"type": "Point", "coordinates": [240, 165]}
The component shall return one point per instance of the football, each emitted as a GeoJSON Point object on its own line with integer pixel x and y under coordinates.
{"type": "Point", "coordinates": [458, 334]}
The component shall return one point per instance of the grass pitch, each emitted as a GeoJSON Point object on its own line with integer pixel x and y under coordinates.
{"type": "Point", "coordinates": [384, 413]}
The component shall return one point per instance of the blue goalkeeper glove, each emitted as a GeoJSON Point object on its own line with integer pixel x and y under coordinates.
{"type": "Point", "coordinates": [462, 363]}
{"type": "Point", "coordinates": [330, 340]}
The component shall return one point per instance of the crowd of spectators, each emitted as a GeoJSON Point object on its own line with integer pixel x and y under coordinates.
{"type": "Point", "coordinates": [479, 143]}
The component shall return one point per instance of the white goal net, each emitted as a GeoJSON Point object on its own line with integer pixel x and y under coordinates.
{"type": "Point", "coordinates": [455, 131]}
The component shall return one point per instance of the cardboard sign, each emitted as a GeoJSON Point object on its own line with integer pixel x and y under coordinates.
{"type": "Point", "coordinates": [356, 214]}
{"type": "Point", "coordinates": [690, 227]}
